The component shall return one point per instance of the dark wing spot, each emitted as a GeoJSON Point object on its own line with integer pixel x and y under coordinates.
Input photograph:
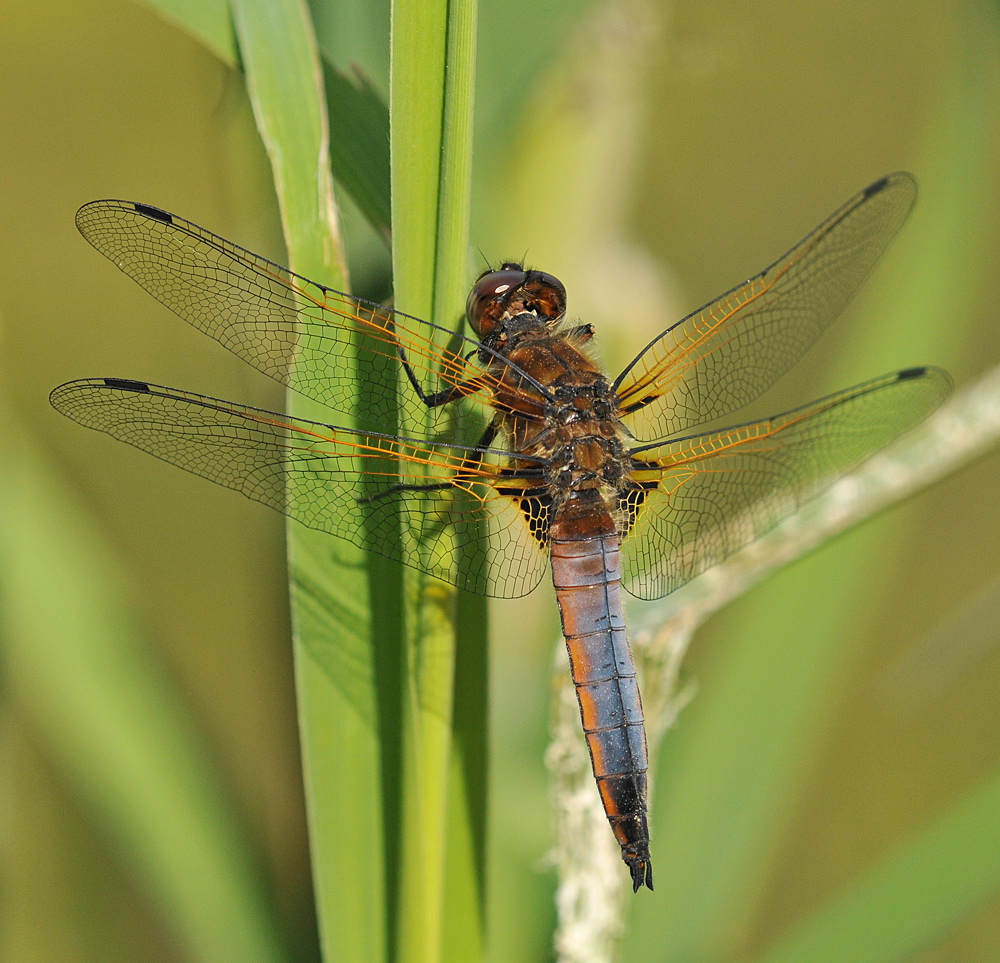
{"type": "Point", "coordinates": [876, 187]}
{"type": "Point", "coordinates": [154, 212]}
{"type": "Point", "coordinates": [911, 373]}
{"type": "Point", "coordinates": [125, 384]}
{"type": "Point", "coordinates": [537, 511]}
{"type": "Point", "coordinates": [629, 503]}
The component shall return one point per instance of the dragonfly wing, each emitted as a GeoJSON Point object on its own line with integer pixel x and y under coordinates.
{"type": "Point", "coordinates": [729, 352]}
{"type": "Point", "coordinates": [319, 341]}
{"type": "Point", "coordinates": [436, 507]}
{"type": "Point", "coordinates": [702, 498]}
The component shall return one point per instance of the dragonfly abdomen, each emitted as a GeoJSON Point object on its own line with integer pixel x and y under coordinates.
{"type": "Point", "coordinates": [587, 578]}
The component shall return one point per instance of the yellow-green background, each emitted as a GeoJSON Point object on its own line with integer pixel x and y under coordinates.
{"type": "Point", "coordinates": [650, 156]}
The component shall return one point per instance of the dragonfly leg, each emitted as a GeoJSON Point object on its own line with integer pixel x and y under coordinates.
{"type": "Point", "coordinates": [487, 437]}
{"type": "Point", "coordinates": [438, 398]}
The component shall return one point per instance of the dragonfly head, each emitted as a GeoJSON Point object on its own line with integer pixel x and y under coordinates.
{"type": "Point", "coordinates": [512, 291]}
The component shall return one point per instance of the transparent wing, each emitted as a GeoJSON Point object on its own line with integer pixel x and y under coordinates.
{"type": "Point", "coordinates": [728, 353]}
{"type": "Point", "coordinates": [320, 341]}
{"type": "Point", "coordinates": [456, 513]}
{"type": "Point", "coordinates": [702, 498]}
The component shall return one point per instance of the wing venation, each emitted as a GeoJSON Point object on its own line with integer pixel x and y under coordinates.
{"type": "Point", "coordinates": [319, 341]}
{"type": "Point", "coordinates": [429, 505]}
{"type": "Point", "coordinates": [729, 352]}
{"type": "Point", "coordinates": [704, 497]}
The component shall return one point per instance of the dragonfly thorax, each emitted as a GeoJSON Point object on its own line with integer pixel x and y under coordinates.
{"type": "Point", "coordinates": [580, 439]}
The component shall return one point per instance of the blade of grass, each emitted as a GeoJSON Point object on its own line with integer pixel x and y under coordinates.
{"type": "Point", "coordinates": [431, 97]}
{"type": "Point", "coordinates": [358, 118]}
{"type": "Point", "coordinates": [285, 83]}
{"type": "Point", "coordinates": [337, 664]}
{"type": "Point", "coordinates": [910, 900]}
{"type": "Point", "coordinates": [111, 719]}
{"type": "Point", "coordinates": [465, 871]}
{"type": "Point", "coordinates": [465, 875]}
{"type": "Point", "coordinates": [359, 144]}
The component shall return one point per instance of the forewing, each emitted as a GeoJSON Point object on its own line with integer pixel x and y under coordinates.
{"type": "Point", "coordinates": [709, 495]}
{"type": "Point", "coordinates": [729, 352]}
{"type": "Point", "coordinates": [459, 527]}
{"type": "Point", "coordinates": [303, 334]}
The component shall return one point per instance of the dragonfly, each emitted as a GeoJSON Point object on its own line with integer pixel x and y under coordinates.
{"type": "Point", "coordinates": [487, 458]}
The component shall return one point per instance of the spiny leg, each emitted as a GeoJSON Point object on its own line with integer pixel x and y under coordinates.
{"type": "Point", "coordinates": [438, 398]}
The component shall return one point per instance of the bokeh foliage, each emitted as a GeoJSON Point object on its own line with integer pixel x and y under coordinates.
{"type": "Point", "coordinates": [649, 155]}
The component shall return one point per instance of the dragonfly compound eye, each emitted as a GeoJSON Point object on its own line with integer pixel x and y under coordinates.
{"type": "Point", "coordinates": [488, 297]}
{"type": "Point", "coordinates": [546, 295]}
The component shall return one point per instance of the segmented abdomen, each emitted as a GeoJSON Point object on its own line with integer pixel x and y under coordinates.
{"type": "Point", "coordinates": [585, 571]}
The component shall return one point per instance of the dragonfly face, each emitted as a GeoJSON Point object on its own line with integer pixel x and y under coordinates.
{"type": "Point", "coordinates": [608, 484]}
{"type": "Point", "coordinates": [513, 292]}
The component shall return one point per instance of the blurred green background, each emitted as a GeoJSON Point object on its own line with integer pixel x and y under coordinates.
{"type": "Point", "coordinates": [650, 155]}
